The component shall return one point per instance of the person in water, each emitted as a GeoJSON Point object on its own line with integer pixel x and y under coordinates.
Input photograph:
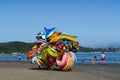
{"type": "Point", "coordinates": [94, 59]}
{"type": "Point", "coordinates": [103, 57]}
{"type": "Point", "coordinates": [19, 57]}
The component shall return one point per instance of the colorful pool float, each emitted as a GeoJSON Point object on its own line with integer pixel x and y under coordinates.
{"type": "Point", "coordinates": [54, 48]}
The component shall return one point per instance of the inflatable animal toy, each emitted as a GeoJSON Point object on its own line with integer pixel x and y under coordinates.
{"type": "Point", "coordinates": [54, 49]}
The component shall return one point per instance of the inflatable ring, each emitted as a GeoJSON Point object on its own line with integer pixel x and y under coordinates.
{"type": "Point", "coordinates": [34, 59]}
{"type": "Point", "coordinates": [50, 59]}
{"type": "Point", "coordinates": [62, 62]}
{"type": "Point", "coordinates": [39, 62]}
{"type": "Point", "coordinates": [74, 57]}
{"type": "Point", "coordinates": [51, 52]}
{"type": "Point", "coordinates": [44, 54]}
{"type": "Point", "coordinates": [69, 63]}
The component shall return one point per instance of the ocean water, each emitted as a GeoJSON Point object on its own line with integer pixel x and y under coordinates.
{"type": "Point", "coordinates": [82, 57]}
{"type": "Point", "coordinates": [86, 57]}
{"type": "Point", "coordinates": [13, 57]}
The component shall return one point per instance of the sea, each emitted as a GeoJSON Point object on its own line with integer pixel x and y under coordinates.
{"type": "Point", "coordinates": [82, 57]}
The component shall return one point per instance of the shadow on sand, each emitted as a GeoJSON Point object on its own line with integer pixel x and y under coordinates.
{"type": "Point", "coordinates": [47, 69]}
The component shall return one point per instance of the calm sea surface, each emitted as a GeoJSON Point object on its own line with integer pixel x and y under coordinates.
{"type": "Point", "coordinates": [111, 57]}
{"type": "Point", "coordinates": [82, 57]}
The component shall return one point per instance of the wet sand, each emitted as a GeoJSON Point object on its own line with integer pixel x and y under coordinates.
{"type": "Point", "coordinates": [28, 71]}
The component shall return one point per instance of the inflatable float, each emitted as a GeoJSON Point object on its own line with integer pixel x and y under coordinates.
{"type": "Point", "coordinates": [54, 48]}
{"type": "Point", "coordinates": [55, 39]}
{"type": "Point", "coordinates": [62, 60]}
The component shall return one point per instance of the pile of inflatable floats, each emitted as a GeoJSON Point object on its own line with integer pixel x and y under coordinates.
{"type": "Point", "coordinates": [54, 49]}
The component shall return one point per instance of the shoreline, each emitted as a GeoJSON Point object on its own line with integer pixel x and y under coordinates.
{"type": "Point", "coordinates": [26, 70]}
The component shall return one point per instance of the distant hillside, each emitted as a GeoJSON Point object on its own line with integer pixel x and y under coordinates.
{"type": "Point", "coordinates": [112, 44]}
{"type": "Point", "coordinates": [15, 46]}
{"type": "Point", "coordinates": [23, 47]}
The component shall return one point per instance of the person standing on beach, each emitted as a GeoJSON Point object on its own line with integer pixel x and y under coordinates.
{"type": "Point", "coordinates": [103, 57]}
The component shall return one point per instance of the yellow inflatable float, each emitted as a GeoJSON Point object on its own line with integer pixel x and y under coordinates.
{"type": "Point", "coordinates": [60, 37]}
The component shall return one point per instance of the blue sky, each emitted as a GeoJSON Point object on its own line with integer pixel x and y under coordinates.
{"type": "Point", "coordinates": [93, 21]}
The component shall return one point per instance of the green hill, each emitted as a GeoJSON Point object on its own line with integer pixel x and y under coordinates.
{"type": "Point", "coordinates": [24, 47]}
{"type": "Point", "coordinates": [15, 46]}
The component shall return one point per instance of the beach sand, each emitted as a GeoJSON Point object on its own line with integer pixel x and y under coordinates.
{"type": "Point", "coordinates": [27, 71]}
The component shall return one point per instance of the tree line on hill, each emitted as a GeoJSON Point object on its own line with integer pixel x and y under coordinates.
{"type": "Point", "coordinates": [15, 47]}
{"type": "Point", "coordinates": [88, 49]}
{"type": "Point", "coordinates": [23, 47]}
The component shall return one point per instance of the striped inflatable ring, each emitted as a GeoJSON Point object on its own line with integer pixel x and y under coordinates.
{"type": "Point", "coordinates": [74, 57]}
{"type": "Point", "coordinates": [39, 62]}
{"type": "Point", "coordinates": [69, 63]}
{"type": "Point", "coordinates": [62, 62]}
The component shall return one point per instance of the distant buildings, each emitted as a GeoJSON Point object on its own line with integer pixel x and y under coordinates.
{"type": "Point", "coordinates": [118, 50]}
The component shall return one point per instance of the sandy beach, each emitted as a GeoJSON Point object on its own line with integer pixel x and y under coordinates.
{"type": "Point", "coordinates": [27, 71]}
